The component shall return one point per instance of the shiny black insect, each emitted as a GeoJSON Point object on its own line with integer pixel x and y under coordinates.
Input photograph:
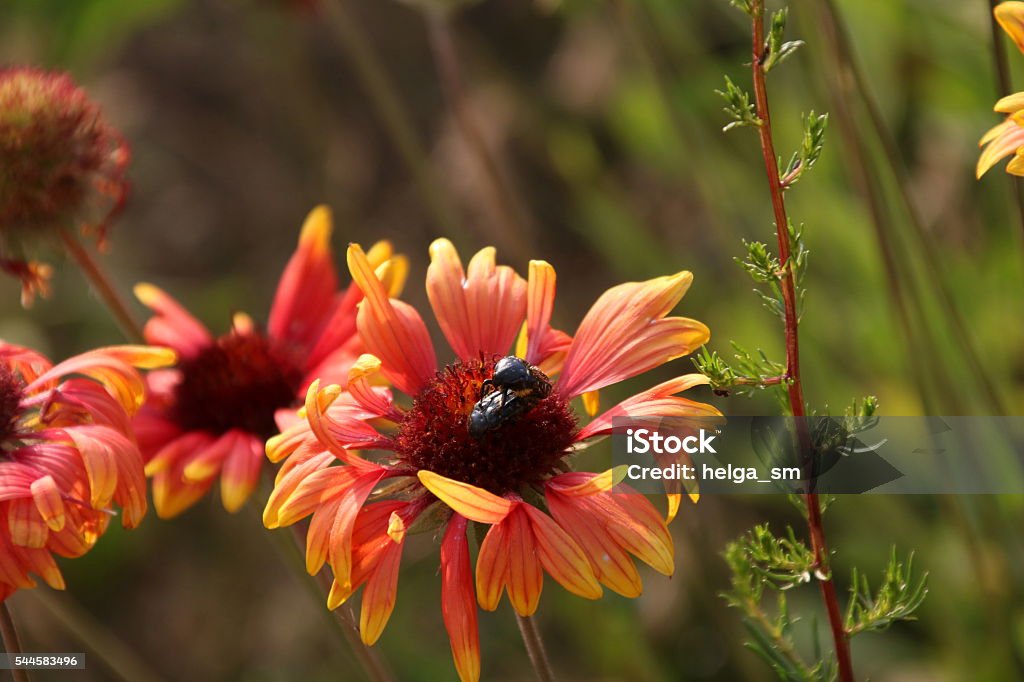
{"type": "Point", "coordinates": [513, 390]}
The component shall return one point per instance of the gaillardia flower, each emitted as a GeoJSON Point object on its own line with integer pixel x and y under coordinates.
{"type": "Point", "coordinates": [211, 414]}
{"type": "Point", "coordinates": [62, 167]}
{"type": "Point", "coordinates": [67, 455]}
{"type": "Point", "coordinates": [1007, 137]}
{"type": "Point", "coordinates": [512, 473]}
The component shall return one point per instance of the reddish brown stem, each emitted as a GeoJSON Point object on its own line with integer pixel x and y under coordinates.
{"type": "Point", "coordinates": [369, 660]}
{"type": "Point", "coordinates": [103, 287]}
{"type": "Point", "coordinates": [794, 386]}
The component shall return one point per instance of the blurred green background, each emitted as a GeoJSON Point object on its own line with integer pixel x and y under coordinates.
{"type": "Point", "coordinates": [603, 121]}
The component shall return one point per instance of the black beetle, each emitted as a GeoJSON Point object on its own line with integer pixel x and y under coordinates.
{"type": "Point", "coordinates": [513, 390]}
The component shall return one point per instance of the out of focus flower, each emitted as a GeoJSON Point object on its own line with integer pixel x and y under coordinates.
{"type": "Point", "coordinates": [67, 455]}
{"type": "Point", "coordinates": [436, 471]}
{"type": "Point", "coordinates": [211, 415]}
{"type": "Point", "coordinates": [62, 167]}
{"type": "Point", "coordinates": [1007, 137]}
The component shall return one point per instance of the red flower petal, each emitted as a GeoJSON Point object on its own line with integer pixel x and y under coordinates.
{"type": "Point", "coordinates": [303, 301]}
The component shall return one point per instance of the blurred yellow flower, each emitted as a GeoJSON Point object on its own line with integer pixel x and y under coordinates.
{"type": "Point", "coordinates": [1007, 137]}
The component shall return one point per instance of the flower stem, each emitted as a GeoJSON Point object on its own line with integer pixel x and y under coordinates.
{"type": "Point", "coordinates": [795, 386]}
{"type": "Point", "coordinates": [291, 549]}
{"type": "Point", "coordinates": [535, 648]}
{"type": "Point", "coordinates": [371, 663]}
{"type": "Point", "coordinates": [101, 283]}
{"type": "Point", "coordinates": [1005, 86]}
{"type": "Point", "coordinates": [397, 124]}
{"type": "Point", "coordinates": [12, 645]}
{"type": "Point", "coordinates": [83, 626]}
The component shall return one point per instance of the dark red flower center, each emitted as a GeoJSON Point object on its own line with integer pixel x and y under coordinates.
{"type": "Point", "coordinates": [522, 452]}
{"type": "Point", "coordinates": [11, 390]}
{"type": "Point", "coordinates": [238, 382]}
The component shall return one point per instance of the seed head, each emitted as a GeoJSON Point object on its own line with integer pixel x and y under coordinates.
{"type": "Point", "coordinates": [62, 166]}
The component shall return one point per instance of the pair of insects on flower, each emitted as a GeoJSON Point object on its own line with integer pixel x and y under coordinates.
{"type": "Point", "coordinates": [513, 390]}
{"type": "Point", "coordinates": [471, 443]}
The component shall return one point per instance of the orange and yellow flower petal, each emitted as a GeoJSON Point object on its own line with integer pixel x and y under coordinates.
{"type": "Point", "coordinates": [209, 461]}
{"type": "Point", "coordinates": [627, 517]}
{"type": "Point", "coordinates": [612, 565]}
{"type": "Point", "coordinates": [458, 603]}
{"type": "Point", "coordinates": [476, 504]}
{"type": "Point", "coordinates": [381, 589]}
{"type": "Point", "coordinates": [241, 472]}
{"type": "Point", "coordinates": [1010, 16]}
{"type": "Point", "coordinates": [48, 502]}
{"type": "Point", "coordinates": [492, 567]}
{"type": "Point", "coordinates": [392, 330]}
{"type": "Point", "coordinates": [172, 325]}
{"type": "Point", "coordinates": [479, 310]}
{"type": "Point", "coordinates": [172, 493]}
{"type": "Point", "coordinates": [298, 467]}
{"type": "Point", "coordinates": [1002, 140]}
{"type": "Point", "coordinates": [626, 333]}
{"type": "Point", "coordinates": [544, 346]}
{"type": "Point", "coordinates": [525, 579]}
{"type": "Point", "coordinates": [340, 548]}
{"type": "Point", "coordinates": [561, 557]}
{"type": "Point", "coordinates": [657, 402]}
{"type": "Point", "coordinates": [114, 368]}
{"type": "Point", "coordinates": [337, 434]}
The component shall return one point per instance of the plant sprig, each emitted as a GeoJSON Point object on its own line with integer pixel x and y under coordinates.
{"type": "Point", "coordinates": [811, 146]}
{"type": "Point", "coordinates": [738, 106]}
{"type": "Point", "coordinates": [776, 49]}
{"type": "Point", "coordinates": [760, 560]}
{"type": "Point", "coordinates": [745, 375]}
{"type": "Point", "coordinates": [898, 597]}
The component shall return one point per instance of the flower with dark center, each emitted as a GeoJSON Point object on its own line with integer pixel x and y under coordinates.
{"type": "Point", "coordinates": [210, 416]}
{"type": "Point", "coordinates": [67, 455]}
{"type": "Point", "coordinates": [62, 167]}
{"type": "Point", "coordinates": [515, 475]}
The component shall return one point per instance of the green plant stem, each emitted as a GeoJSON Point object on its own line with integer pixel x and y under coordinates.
{"type": "Point", "coordinates": [96, 637]}
{"type": "Point", "coordinates": [893, 159]}
{"type": "Point", "coordinates": [102, 285]}
{"type": "Point", "coordinates": [535, 648]}
{"type": "Point", "coordinates": [12, 645]}
{"type": "Point", "coordinates": [795, 386]}
{"type": "Point", "coordinates": [1004, 87]}
{"type": "Point", "coordinates": [504, 205]}
{"type": "Point", "coordinates": [384, 97]}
